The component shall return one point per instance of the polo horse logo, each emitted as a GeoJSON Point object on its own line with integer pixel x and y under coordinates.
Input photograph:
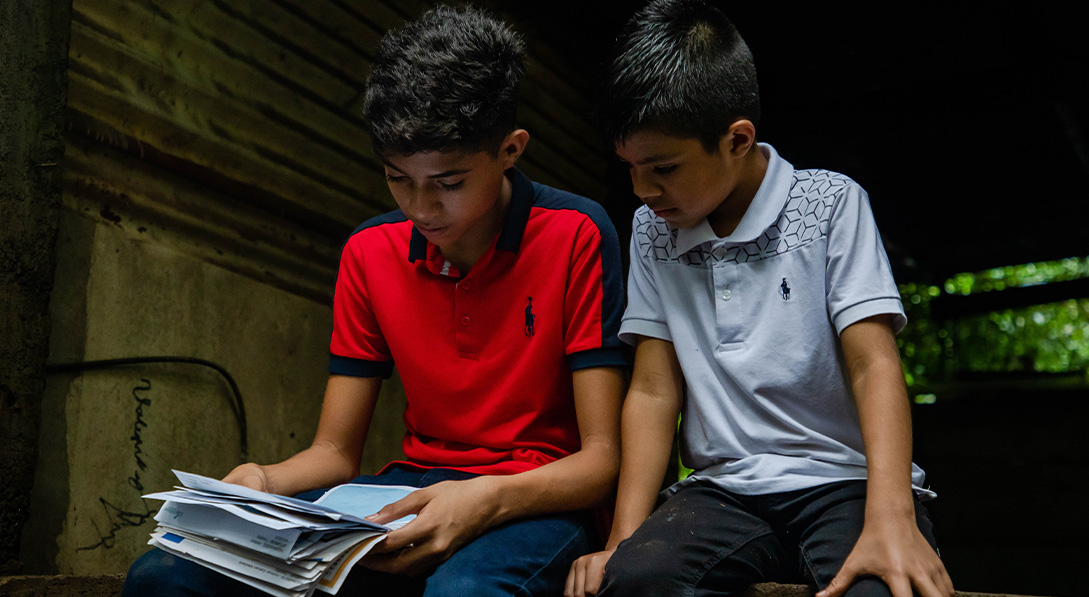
{"type": "Point", "coordinates": [529, 317]}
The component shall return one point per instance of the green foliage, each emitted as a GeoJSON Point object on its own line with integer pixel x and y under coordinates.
{"type": "Point", "coordinates": [924, 345]}
{"type": "Point", "coordinates": [1029, 274]}
{"type": "Point", "coordinates": [1045, 338]}
{"type": "Point", "coordinates": [1051, 338]}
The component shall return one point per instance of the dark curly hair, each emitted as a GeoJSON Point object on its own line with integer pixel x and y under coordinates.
{"type": "Point", "coordinates": [681, 68]}
{"type": "Point", "coordinates": [447, 81]}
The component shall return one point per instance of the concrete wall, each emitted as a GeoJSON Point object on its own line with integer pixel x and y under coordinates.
{"type": "Point", "coordinates": [33, 86]}
{"type": "Point", "coordinates": [111, 435]}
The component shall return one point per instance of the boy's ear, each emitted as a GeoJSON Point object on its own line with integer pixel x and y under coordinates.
{"type": "Point", "coordinates": [739, 138]}
{"type": "Point", "coordinates": [512, 147]}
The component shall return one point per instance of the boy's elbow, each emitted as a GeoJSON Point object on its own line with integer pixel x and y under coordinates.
{"type": "Point", "coordinates": [606, 462]}
{"type": "Point", "coordinates": [347, 472]}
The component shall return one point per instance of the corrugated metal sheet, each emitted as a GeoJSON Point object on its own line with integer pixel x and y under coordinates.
{"type": "Point", "coordinates": [260, 99]}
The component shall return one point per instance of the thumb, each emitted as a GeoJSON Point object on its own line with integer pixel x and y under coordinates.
{"type": "Point", "coordinates": [840, 583]}
{"type": "Point", "coordinates": [410, 504]}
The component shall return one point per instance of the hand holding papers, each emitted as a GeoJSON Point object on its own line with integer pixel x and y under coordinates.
{"type": "Point", "coordinates": [280, 545]}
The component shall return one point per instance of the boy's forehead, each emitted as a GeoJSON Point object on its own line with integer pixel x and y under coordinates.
{"type": "Point", "coordinates": [647, 146]}
{"type": "Point", "coordinates": [433, 162]}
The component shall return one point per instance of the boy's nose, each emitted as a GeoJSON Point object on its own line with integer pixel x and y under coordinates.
{"type": "Point", "coordinates": [420, 206]}
{"type": "Point", "coordinates": [644, 186]}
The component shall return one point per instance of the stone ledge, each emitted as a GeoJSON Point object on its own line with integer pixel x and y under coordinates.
{"type": "Point", "coordinates": [776, 590]}
{"type": "Point", "coordinates": [109, 585]}
{"type": "Point", "coordinates": [106, 585]}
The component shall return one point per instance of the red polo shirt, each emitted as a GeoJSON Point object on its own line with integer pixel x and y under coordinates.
{"type": "Point", "coordinates": [485, 358]}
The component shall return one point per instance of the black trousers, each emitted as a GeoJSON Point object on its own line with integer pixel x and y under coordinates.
{"type": "Point", "coordinates": [704, 540]}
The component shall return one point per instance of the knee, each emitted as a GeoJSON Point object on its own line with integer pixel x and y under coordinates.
{"type": "Point", "coordinates": [640, 568]}
{"type": "Point", "coordinates": [149, 574]}
{"type": "Point", "coordinates": [463, 585]}
{"type": "Point", "coordinates": [165, 575]}
{"type": "Point", "coordinates": [868, 586]}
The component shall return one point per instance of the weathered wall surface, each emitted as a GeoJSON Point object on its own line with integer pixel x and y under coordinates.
{"type": "Point", "coordinates": [33, 59]}
{"type": "Point", "coordinates": [111, 435]}
{"type": "Point", "coordinates": [216, 160]}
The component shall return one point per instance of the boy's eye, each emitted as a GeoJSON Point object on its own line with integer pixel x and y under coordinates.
{"type": "Point", "coordinates": [394, 178]}
{"type": "Point", "coordinates": [663, 170]}
{"type": "Point", "coordinates": [452, 186]}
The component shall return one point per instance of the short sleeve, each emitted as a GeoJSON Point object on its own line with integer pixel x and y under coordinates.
{"type": "Point", "coordinates": [594, 297]}
{"type": "Point", "coordinates": [859, 278]}
{"type": "Point", "coordinates": [644, 315]}
{"type": "Point", "coordinates": [357, 347]}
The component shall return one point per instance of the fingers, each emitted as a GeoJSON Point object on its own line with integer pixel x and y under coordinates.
{"type": "Point", "coordinates": [840, 583]}
{"type": "Point", "coordinates": [410, 504]}
{"type": "Point", "coordinates": [928, 579]}
{"type": "Point", "coordinates": [925, 587]}
{"type": "Point", "coordinates": [586, 574]}
{"type": "Point", "coordinates": [405, 537]}
{"type": "Point", "coordinates": [577, 579]}
{"type": "Point", "coordinates": [248, 475]}
{"type": "Point", "coordinates": [944, 583]}
{"type": "Point", "coordinates": [900, 586]}
{"type": "Point", "coordinates": [400, 562]}
{"type": "Point", "coordinates": [937, 584]}
{"type": "Point", "coordinates": [411, 559]}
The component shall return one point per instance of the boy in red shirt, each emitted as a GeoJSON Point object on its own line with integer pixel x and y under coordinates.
{"type": "Point", "coordinates": [498, 300]}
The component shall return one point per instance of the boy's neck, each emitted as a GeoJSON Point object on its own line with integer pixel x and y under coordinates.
{"type": "Point", "coordinates": [725, 218]}
{"type": "Point", "coordinates": [469, 249]}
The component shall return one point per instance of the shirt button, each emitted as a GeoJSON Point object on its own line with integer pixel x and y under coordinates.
{"type": "Point", "coordinates": [465, 320]}
{"type": "Point", "coordinates": [465, 285]}
{"type": "Point", "coordinates": [726, 294]}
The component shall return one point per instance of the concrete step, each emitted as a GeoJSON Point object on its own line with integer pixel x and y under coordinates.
{"type": "Point", "coordinates": [109, 585]}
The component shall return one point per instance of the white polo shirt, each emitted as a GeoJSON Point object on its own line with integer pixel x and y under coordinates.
{"type": "Point", "coordinates": [755, 319]}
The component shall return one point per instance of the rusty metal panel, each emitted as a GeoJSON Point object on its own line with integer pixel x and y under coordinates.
{"type": "Point", "coordinates": [195, 112]}
{"type": "Point", "coordinates": [266, 93]}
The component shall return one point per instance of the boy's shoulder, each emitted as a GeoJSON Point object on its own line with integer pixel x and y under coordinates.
{"type": "Point", "coordinates": [552, 199]}
{"type": "Point", "coordinates": [552, 221]}
{"type": "Point", "coordinates": [820, 182]}
{"type": "Point", "coordinates": [389, 218]}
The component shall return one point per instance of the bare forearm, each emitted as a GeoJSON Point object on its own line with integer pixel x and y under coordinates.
{"type": "Point", "coordinates": [585, 478]}
{"type": "Point", "coordinates": [648, 426]}
{"type": "Point", "coordinates": [891, 546]}
{"type": "Point", "coordinates": [335, 454]}
{"type": "Point", "coordinates": [887, 436]}
{"type": "Point", "coordinates": [578, 482]}
{"type": "Point", "coordinates": [320, 465]}
{"type": "Point", "coordinates": [884, 417]}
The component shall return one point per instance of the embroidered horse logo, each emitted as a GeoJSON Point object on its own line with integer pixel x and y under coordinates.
{"type": "Point", "coordinates": [529, 317]}
{"type": "Point", "coordinates": [784, 290]}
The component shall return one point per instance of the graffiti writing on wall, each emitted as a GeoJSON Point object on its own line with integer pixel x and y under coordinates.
{"type": "Point", "coordinates": [118, 518]}
{"type": "Point", "coordinates": [137, 441]}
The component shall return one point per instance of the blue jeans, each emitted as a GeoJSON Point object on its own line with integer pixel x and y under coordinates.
{"type": "Point", "coordinates": [705, 540]}
{"type": "Point", "coordinates": [523, 557]}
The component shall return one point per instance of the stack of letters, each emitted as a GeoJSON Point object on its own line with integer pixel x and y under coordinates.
{"type": "Point", "coordinates": [280, 545]}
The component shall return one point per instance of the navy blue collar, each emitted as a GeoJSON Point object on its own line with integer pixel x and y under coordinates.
{"type": "Point", "coordinates": [514, 224]}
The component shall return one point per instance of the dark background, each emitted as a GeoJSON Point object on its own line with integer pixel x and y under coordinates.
{"type": "Point", "coordinates": [967, 125]}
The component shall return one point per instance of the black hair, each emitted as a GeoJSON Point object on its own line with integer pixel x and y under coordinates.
{"type": "Point", "coordinates": [447, 81]}
{"type": "Point", "coordinates": [681, 68]}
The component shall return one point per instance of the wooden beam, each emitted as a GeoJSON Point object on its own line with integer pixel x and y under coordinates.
{"type": "Point", "coordinates": [952, 306]}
